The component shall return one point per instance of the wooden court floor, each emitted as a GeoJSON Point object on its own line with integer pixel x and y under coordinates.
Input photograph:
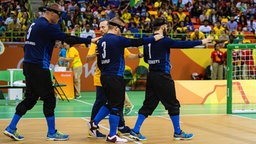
{"type": "Point", "coordinates": [208, 129]}
{"type": "Point", "coordinates": [209, 123]}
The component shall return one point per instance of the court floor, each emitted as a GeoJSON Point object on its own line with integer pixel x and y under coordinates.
{"type": "Point", "coordinates": [208, 122]}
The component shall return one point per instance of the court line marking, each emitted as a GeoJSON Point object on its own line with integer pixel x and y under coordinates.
{"type": "Point", "coordinates": [84, 102]}
{"type": "Point", "coordinates": [129, 139]}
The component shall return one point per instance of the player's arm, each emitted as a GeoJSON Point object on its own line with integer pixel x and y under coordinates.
{"type": "Point", "coordinates": [128, 42]}
{"type": "Point", "coordinates": [66, 59]}
{"type": "Point", "coordinates": [131, 56]}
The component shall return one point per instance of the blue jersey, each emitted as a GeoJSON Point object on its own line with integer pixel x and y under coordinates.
{"type": "Point", "coordinates": [40, 41]}
{"type": "Point", "coordinates": [111, 53]}
{"type": "Point", "coordinates": [157, 54]}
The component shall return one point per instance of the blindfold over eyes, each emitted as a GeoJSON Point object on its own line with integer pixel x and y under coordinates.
{"type": "Point", "coordinates": [115, 24]}
{"type": "Point", "coordinates": [43, 9]}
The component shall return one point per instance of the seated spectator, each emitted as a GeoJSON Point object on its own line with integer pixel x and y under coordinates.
{"type": "Point", "coordinates": [182, 31]}
{"type": "Point", "coordinates": [11, 18]}
{"type": "Point", "coordinates": [135, 30]}
{"type": "Point", "coordinates": [88, 32]}
{"type": "Point", "coordinates": [251, 24]}
{"type": "Point", "coordinates": [188, 24]}
{"type": "Point", "coordinates": [232, 24]}
{"type": "Point", "coordinates": [181, 14]}
{"type": "Point", "coordinates": [2, 28]}
{"type": "Point", "coordinates": [197, 35]}
{"type": "Point", "coordinates": [14, 28]}
{"type": "Point", "coordinates": [218, 28]}
{"type": "Point", "coordinates": [126, 16]}
{"type": "Point", "coordinates": [205, 28]}
{"type": "Point", "coordinates": [75, 31]}
{"type": "Point", "coordinates": [136, 18]}
{"type": "Point", "coordinates": [203, 17]}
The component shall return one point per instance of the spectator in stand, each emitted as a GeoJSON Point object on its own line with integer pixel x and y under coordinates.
{"type": "Point", "coordinates": [242, 22]}
{"type": "Point", "coordinates": [88, 32]}
{"type": "Point", "coordinates": [112, 13]}
{"type": "Point", "coordinates": [135, 30]}
{"type": "Point", "coordinates": [25, 21]}
{"type": "Point", "coordinates": [2, 29]}
{"type": "Point", "coordinates": [203, 17]}
{"type": "Point", "coordinates": [196, 10]}
{"type": "Point", "coordinates": [11, 18]}
{"type": "Point", "coordinates": [181, 14]}
{"type": "Point", "coordinates": [188, 24]}
{"type": "Point", "coordinates": [75, 31]}
{"type": "Point", "coordinates": [126, 16]}
{"type": "Point", "coordinates": [217, 61]}
{"type": "Point", "coordinates": [213, 18]}
{"type": "Point", "coordinates": [232, 24]}
{"type": "Point", "coordinates": [251, 24]}
{"type": "Point", "coordinates": [182, 31]}
{"type": "Point", "coordinates": [157, 4]}
{"type": "Point", "coordinates": [218, 28]}
{"type": "Point", "coordinates": [136, 18]}
{"type": "Point", "coordinates": [205, 28]}
{"type": "Point", "coordinates": [14, 29]}
{"type": "Point", "coordinates": [197, 35]}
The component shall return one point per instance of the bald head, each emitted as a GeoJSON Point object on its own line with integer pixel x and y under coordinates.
{"type": "Point", "coordinates": [104, 27]}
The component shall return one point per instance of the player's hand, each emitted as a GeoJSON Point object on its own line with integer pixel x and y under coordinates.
{"type": "Point", "coordinates": [158, 37]}
{"type": "Point", "coordinates": [207, 40]}
{"type": "Point", "coordinates": [94, 40]}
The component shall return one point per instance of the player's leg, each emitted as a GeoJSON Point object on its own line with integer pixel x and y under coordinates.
{"type": "Point", "coordinates": [114, 89]}
{"type": "Point", "coordinates": [31, 74]}
{"type": "Point", "coordinates": [167, 96]}
{"type": "Point", "coordinates": [149, 105]}
{"type": "Point", "coordinates": [100, 101]}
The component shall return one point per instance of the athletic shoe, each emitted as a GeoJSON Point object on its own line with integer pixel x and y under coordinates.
{"type": "Point", "coordinates": [137, 136]}
{"type": "Point", "coordinates": [98, 134]}
{"type": "Point", "coordinates": [183, 136]}
{"type": "Point", "coordinates": [128, 111]}
{"type": "Point", "coordinates": [14, 134]}
{"type": "Point", "coordinates": [78, 97]}
{"type": "Point", "coordinates": [92, 129]}
{"type": "Point", "coordinates": [124, 131]}
{"type": "Point", "coordinates": [57, 136]}
{"type": "Point", "coordinates": [116, 138]}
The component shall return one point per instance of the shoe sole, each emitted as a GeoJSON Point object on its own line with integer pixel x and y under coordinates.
{"type": "Point", "coordinates": [90, 133]}
{"type": "Point", "coordinates": [136, 138]}
{"type": "Point", "coordinates": [183, 138]}
{"type": "Point", "coordinates": [55, 139]}
{"type": "Point", "coordinates": [12, 136]}
{"type": "Point", "coordinates": [90, 136]}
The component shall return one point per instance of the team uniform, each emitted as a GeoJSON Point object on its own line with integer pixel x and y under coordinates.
{"type": "Point", "coordinates": [38, 48]}
{"type": "Point", "coordinates": [100, 96]}
{"type": "Point", "coordinates": [160, 85]}
{"type": "Point", "coordinates": [111, 63]}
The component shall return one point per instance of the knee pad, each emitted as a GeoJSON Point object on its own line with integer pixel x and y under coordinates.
{"type": "Point", "coordinates": [115, 111]}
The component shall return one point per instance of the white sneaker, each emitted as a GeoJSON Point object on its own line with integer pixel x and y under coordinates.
{"type": "Point", "coordinates": [116, 138]}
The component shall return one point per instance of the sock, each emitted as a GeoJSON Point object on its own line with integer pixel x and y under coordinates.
{"type": "Point", "coordinates": [51, 124]}
{"type": "Point", "coordinates": [14, 122]}
{"type": "Point", "coordinates": [176, 123]}
{"type": "Point", "coordinates": [103, 112]}
{"type": "Point", "coordinates": [113, 122]}
{"type": "Point", "coordinates": [139, 122]}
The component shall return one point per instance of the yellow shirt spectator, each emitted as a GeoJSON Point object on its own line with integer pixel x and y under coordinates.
{"type": "Point", "coordinates": [218, 30]}
{"type": "Point", "coordinates": [197, 35]}
{"type": "Point", "coordinates": [73, 53]}
{"type": "Point", "coordinates": [181, 16]}
{"type": "Point", "coordinates": [97, 74]}
{"type": "Point", "coordinates": [126, 17]}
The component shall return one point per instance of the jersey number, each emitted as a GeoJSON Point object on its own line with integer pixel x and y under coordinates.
{"type": "Point", "coordinates": [29, 30]}
{"type": "Point", "coordinates": [149, 50]}
{"type": "Point", "coordinates": [103, 44]}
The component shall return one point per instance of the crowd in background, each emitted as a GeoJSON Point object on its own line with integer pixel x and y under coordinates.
{"type": "Point", "coordinates": [187, 19]}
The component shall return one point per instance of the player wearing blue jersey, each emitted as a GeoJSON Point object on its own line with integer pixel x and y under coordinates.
{"type": "Point", "coordinates": [39, 44]}
{"type": "Point", "coordinates": [160, 86]}
{"type": "Point", "coordinates": [111, 64]}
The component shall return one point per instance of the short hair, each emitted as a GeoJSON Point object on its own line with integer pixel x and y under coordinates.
{"type": "Point", "coordinates": [159, 21]}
